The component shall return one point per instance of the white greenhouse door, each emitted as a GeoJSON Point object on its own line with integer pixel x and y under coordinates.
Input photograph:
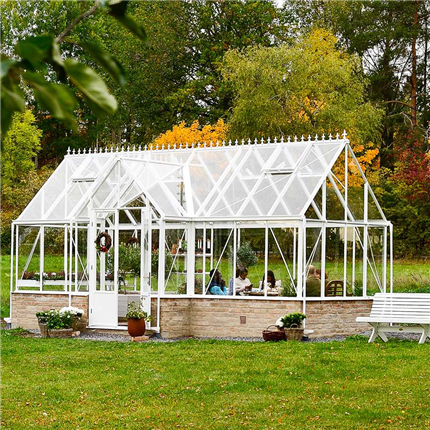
{"type": "Point", "coordinates": [146, 248]}
{"type": "Point", "coordinates": [103, 300]}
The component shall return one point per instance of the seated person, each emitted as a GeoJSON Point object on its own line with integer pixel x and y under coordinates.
{"type": "Point", "coordinates": [318, 272]}
{"type": "Point", "coordinates": [217, 284]}
{"type": "Point", "coordinates": [272, 284]}
{"type": "Point", "coordinates": [313, 283]}
{"type": "Point", "coordinates": [241, 282]}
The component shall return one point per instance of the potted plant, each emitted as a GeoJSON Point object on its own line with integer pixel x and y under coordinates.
{"type": "Point", "coordinates": [76, 315]}
{"type": "Point", "coordinates": [57, 324]}
{"type": "Point", "coordinates": [42, 318]}
{"type": "Point", "coordinates": [292, 325]}
{"type": "Point", "coordinates": [136, 319]}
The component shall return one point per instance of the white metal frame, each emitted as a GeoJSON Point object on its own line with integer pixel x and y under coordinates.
{"type": "Point", "coordinates": [203, 212]}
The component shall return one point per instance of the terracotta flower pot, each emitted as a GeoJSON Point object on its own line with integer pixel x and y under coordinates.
{"type": "Point", "coordinates": [136, 327]}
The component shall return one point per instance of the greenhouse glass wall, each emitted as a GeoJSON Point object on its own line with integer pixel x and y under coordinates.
{"type": "Point", "coordinates": [147, 224]}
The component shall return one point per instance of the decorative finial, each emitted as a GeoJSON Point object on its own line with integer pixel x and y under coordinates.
{"type": "Point", "coordinates": [295, 138]}
{"type": "Point", "coordinates": [330, 136]}
{"type": "Point", "coordinates": [282, 139]}
{"type": "Point", "coordinates": [344, 134]}
{"type": "Point", "coordinates": [68, 150]}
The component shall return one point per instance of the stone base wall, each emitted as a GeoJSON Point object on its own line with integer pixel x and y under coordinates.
{"type": "Point", "coordinates": [248, 318]}
{"type": "Point", "coordinates": [335, 318]}
{"type": "Point", "coordinates": [25, 306]}
{"type": "Point", "coordinates": [215, 317]}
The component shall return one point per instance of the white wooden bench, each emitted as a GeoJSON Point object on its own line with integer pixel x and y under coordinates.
{"type": "Point", "coordinates": [391, 310]}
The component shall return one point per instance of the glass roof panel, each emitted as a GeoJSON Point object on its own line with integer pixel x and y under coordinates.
{"type": "Point", "coordinates": [243, 180]}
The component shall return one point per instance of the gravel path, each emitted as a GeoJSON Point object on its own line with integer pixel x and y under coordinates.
{"type": "Point", "coordinates": [112, 337]}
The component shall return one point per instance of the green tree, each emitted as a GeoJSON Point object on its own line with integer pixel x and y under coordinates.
{"type": "Point", "coordinates": [311, 87]}
{"type": "Point", "coordinates": [20, 147]}
{"type": "Point", "coordinates": [39, 62]}
{"type": "Point", "coordinates": [20, 181]}
{"type": "Point", "coordinates": [391, 38]}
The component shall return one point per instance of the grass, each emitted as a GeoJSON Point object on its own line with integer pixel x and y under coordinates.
{"type": "Point", "coordinates": [53, 383]}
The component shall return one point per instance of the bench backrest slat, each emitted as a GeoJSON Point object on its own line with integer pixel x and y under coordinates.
{"type": "Point", "coordinates": [402, 306]}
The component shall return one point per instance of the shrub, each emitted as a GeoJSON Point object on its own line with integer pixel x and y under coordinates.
{"type": "Point", "coordinates": [246, 256]}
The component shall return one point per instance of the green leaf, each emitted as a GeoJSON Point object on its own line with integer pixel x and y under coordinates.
{"type": "Point", "coordinates": [92, 86]}
{"type": "Point", "coordinates": [6, 64]}
{"type": "Point", "coordinates": [56, 98]}
{"type": "Point", "coordinates": [56, 53]}
{"type": "Point", "coordinates": [35, 49]}
{"type": "Point", "coordinates": [112, 66]}
{"type": "Point", "coordinates": [11, 102]}
{"type": "Point", "coordinates": [133, 26]}
{"type": "Point", "coordinates": [117, 7]}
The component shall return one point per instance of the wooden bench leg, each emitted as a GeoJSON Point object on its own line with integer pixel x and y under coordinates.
{"type": "Point", "coordinates": [425, 335]}
{"type": "Point", "coordinates": [374, 333]}
{"type": "Point", "coordinates": [383, 336]}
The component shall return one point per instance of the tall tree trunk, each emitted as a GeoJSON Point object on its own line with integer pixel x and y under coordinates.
{"type": "Point", "coordinates": [414, 67]}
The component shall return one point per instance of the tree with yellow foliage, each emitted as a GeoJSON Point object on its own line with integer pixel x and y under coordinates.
{"type": "Point", "coordinates": [182, 136]}
{"type": "Point", "coordinates": [311, 87]}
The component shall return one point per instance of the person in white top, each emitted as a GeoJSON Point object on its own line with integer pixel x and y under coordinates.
{"type": "Point", "coordinates": [241, 282]}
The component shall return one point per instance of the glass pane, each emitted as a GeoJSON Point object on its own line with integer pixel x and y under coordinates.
{"type": "Point", "coordinates": [281, 260]}
{"type": "Point", "coordinates": [250, 254]}
{"type": "Point", "coordinates": [313, 262]}
{"type": "Point", "coordinates": [375, 250]}
{"type": "Point", "coordinates": [176, 261]}
{"type": "Point", "coordinates": [335, 257]}
{"type": "Point", "coordinates": [53, 272]}
{"type": "Point", "coordinates": [28, 258]}
{"type": "Point", "coordinates": [222, 262]}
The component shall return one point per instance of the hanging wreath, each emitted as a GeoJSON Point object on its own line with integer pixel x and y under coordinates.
{"type": "Point", "coordinates": [103, 242]}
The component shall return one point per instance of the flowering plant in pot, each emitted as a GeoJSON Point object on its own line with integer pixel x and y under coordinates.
{"type": "Point", "coordinates": [52, 323]}
{"type": "Point", "coordinates": [292, 325]}
{"type": "Point", "coordinates": [75, 313]}
{"type": "Point", "coordinates": [136, 319]}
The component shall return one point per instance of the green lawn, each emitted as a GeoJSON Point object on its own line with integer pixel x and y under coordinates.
{"type": "Point", "coordinates": [62, 384]}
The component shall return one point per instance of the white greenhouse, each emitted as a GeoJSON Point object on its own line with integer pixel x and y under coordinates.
{"type": "Point", "coordinates": [113, 226]}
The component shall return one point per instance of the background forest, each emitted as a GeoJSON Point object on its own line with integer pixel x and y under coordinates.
{"type": "Point", "coordinates": [233, 70]}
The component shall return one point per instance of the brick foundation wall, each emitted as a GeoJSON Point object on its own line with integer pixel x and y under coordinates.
{"type": "Point", "coordinates": [333, 318]}
{"type": "Point", "coordinates": [215, 317]}
{"type": "Point", "coordinates": [25, 306]}
{"type": "Point", "coordinates": [248, 318]}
